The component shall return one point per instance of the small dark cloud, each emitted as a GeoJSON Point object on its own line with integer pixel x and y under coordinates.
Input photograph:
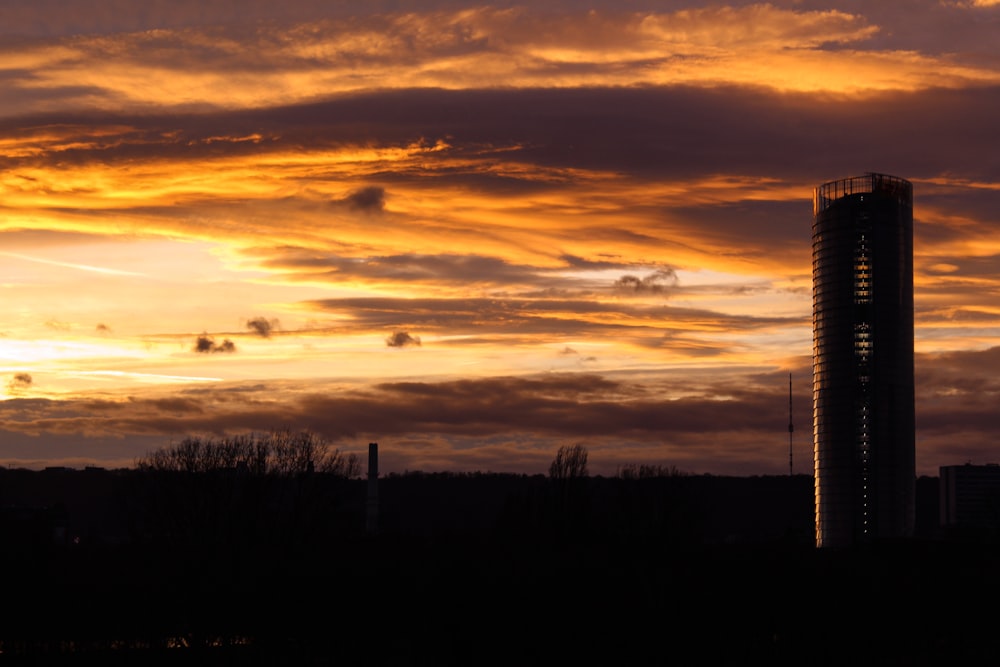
{"type": "Point", "coordinates": [19, 381]}
{"type": "Point", "coordinates": [369, 199]}
{"type": "Point", "coordinates": [103, 328]}
{"type": "Point", "coordinates": [655, 282]}
{"type": "Point", "coordinates": [261, 326]}
{"type": "Point", "coordinates": [402, 339]}
{"type": "Point", "coordinates": [206, 344]}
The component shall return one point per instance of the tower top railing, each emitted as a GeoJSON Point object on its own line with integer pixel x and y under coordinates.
{"type": "Point", "coordinates": [871, 182]}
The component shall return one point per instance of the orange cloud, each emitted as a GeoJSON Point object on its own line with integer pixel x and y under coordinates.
{"type": "Point", "coordinates": [276, 63]}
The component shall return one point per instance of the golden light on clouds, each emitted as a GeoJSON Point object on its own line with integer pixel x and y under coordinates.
{"type": "Point", "coordinates": [761, 44]}
{"type": "Point", "coordinates": [375, 223]}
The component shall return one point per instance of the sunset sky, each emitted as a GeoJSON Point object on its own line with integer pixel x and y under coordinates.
{"type": "Point", "coordinates": [474, 233]}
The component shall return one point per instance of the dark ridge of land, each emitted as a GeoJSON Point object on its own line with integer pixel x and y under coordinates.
{"type": "Point", "coordinates": [478, 569]}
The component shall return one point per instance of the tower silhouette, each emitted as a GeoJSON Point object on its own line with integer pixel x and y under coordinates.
{"type": "Point", "coordinates": [863, 401]}
{"type": "Point", "coordinates": [371, 516]}
{"type": "Point", "coordinates": [791, 425]}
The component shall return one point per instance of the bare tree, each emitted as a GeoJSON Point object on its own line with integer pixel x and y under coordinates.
{"type": "Point", "coordinates": [228, 498]}
{"type": "Point", "coordinates": [278, 453]}
{"type": "Point", "coordinates": [570, 462]}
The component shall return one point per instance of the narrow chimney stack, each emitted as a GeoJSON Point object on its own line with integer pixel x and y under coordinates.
{"type": "Point", "coordinates": [372, 515]}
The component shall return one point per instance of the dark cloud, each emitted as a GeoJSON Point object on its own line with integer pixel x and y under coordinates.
{"type": "Point", "coordinates": [402, 339]}
{"type": "Point", "coordinates": [680, 132]}
{"type": "Point", "coordinates": [656, 282]}
{"type": "Point", "coordinates": [206, 344]}
{"type": "Point", "coordinates": [556, 316]}
{"type": "Point", "coordinates": [262, 326]}
{"type": "Point", "coordinates": [370, 199]}
{"type": "Point", "coordinates": [176, 404]}
{"type": "Point", "coordinates": [961, 374]}
{"type": "Point", "coordinates": [471, 424]}
{"type": "Point", "coordinates": [445, 268]}
{"type": "Point", "coordinates": [676, 133]}
{"type": "Point", "coordinates": [479, 417]}
{"type": "Point", "coordinates": [18, 382]}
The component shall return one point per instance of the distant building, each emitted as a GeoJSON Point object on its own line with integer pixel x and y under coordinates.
{"type": "Point", "coordinates": [970, 500]}
{"type": "Point", "coordinates": [863, 400]}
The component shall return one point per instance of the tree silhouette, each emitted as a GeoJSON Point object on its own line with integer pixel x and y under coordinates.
{"type": "Point", "coordinates": [570, 463]}
{"type": "Point", "coordinates": [242, 500]}
{"type": "Point", "coordinates": [271, 453]}
{"type": "Point", "coordinates": [568, 473]}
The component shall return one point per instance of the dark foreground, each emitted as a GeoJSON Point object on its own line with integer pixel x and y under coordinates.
{"type": "Point", "coordinates": [613, 574]}
{"type": "Point", "coordinates": [412, 602]}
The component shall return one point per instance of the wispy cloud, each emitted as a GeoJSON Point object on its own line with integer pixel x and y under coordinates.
{"type": "Point", "coordinates": [69, 265]}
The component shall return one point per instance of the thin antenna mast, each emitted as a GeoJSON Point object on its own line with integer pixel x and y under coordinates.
{"type": "Point", "coordinates": [790, 427]}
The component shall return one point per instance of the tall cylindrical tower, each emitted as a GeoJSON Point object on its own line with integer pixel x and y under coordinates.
{"type": "Point", "coordinates": [863, 397]}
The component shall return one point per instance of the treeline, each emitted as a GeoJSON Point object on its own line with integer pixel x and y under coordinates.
{"type": "Point", "coordinates": [241, 510]}
{"type": "Point", "coordinates": [281, 493]}
{"type": "Point", "coordinates": [266, 556]}
{"type": "Point", "coordinates": [273, 453]}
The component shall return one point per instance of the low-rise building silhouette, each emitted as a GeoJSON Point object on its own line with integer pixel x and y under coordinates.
{"type": "Point", "coordinates": [970, 501]}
